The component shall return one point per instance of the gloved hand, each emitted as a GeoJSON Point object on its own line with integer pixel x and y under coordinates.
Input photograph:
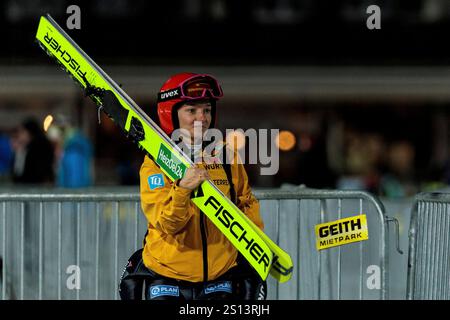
{"type": "Point", "coordinates": [249, 285]}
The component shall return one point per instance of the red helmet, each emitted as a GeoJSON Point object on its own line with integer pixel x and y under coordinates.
{"type": "Point", "coordinates": [182, 88]}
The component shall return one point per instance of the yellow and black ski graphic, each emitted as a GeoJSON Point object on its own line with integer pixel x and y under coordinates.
{"type": "Point", "coordinates": [262, 253]}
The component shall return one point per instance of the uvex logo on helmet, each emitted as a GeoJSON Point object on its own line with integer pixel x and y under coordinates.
{"type": "Point", "coordinates": [185, 87]}
{"type": "Point", "coordinates": [167, 95]}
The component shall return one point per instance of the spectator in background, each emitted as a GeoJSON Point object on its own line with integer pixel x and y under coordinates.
{"type": "Point", "coordinates": [33, 154]}
{"type": "Point", "coordinates": [447, 172]}
{"type": "Point", "coordinates": [364, 156]}
{"type": "Point", "coordinates": [399, 180]}
{"type": "Point", "coordinates": [6, 157]}
{"type": "Point", "coordinates": [73, 152]}
{"type": "Point", "coordinates": [315, 171]}
{"type": "Point", "coordinates": [129, 162]}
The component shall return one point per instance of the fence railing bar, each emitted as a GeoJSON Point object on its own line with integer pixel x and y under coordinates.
{"type": "Point", "coordinates": [361, 243]}
{"type": "Point", "coordinates": [59, 248]}
{"type": "Point", "coordinates": [78, 244]}
{"type": "Point", "coordinates": [22, 249]}
{"type": "Point", "coordinates": [339, 255]}
{"type": "Point", "coordinates": [298, 247]}
{"type": "Point", "coordinates": [97, 249]}
{"type": "Point", "coordinates": [441, 253]}
{"type": "Point", "coordinates": [40, 266]}
{"type": "Point", "coordinates": [4, 253]}
{"type": "Point", "coordinates": [116, 243]}
{"type": "Point", "coordinates": [447, 257]}
{"type": "Point", "coordinates": [321, 252]}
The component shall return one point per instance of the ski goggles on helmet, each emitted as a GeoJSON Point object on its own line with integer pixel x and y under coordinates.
{"type": "Point", "coordinates": [197, 87]}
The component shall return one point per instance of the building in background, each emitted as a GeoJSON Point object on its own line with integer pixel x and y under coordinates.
{"type": "Point", "coordinates": [368, 109]}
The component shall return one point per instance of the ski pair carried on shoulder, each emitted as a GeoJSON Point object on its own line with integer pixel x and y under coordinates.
{"type": "Point", "coordinates": [261, 252]}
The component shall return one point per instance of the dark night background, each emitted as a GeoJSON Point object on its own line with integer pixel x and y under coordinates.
{"type": "Point", "coordinates": [308, 66]}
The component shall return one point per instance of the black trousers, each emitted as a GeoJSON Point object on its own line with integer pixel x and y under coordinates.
{"type": "Point", "coordinates": [239, 283]}
{"type": "Point", "coordinates": [163, 288]}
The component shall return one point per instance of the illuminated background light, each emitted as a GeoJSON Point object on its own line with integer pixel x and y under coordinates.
{"type": "Point", "coordinates": [236, 138]}
{"type": "Point", "coordinates": [48, 122]}
{"type": "Point", "coordinates": [285, 140]}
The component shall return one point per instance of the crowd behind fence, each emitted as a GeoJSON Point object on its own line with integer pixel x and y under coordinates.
{"type": "Point", "coordinates": [74, 245]}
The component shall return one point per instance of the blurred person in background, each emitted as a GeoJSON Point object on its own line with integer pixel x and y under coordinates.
{"type": "Point", "coordinates": [399, 180]}
{"type": "Point", "coordinates": [6, 157]}
{"type": "Point", "coordinates": [363, 161]}
{"type": "Point", "coordinates": [129, 163]}
{"type": "Point", "coordinates": [33, 154]}
{"type": "Point", "coordinates": [447, 172]}
{"type": "Point", "coordinates": [315, 171]}
{"type": "Point", "coordinates": [74, 154]}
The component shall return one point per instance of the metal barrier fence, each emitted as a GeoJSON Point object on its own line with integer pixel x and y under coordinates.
{"type": "Point", "coordinates": [429, 248]}
{"type": "Point", "coordinates": [335, 273]}
{"type": "Point", "coordinates": [61, 245]}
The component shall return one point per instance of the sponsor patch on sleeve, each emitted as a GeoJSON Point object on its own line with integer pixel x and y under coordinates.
{"type": "Point", "coordinates": [156, 181]}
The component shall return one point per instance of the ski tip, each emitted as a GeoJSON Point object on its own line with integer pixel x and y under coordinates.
{"type": "Point", "coordinates": [44, 20]}
{"type": "Point", "coordinates": [49, 18]}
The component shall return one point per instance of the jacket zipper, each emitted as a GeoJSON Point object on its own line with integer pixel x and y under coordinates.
{"type": "Point", "coordinates": [204, 246]}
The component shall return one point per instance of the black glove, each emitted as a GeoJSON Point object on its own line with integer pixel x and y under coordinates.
{"type": "Point", "coordinates": [249, 286]}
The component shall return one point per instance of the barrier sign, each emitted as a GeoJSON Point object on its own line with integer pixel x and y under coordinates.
{"type": "Point", "coordinates": [339, 232]}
